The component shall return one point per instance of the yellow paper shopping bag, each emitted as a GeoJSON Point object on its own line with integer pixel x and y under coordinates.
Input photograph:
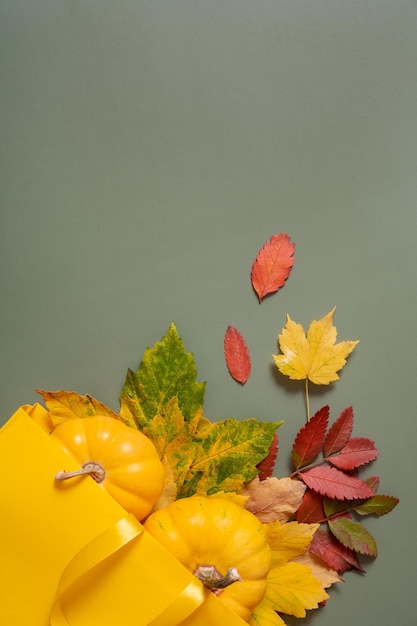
{"type": "Point", "coordinates": [72, 556]}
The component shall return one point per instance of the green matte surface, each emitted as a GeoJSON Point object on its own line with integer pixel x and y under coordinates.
{"type": "Point", "coordinates": [150, 148]}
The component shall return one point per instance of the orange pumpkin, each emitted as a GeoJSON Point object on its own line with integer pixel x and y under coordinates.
{"type": "Point", "coordinates": [121, 459]}
{"type": "Point", "coordinates": [221, 543]}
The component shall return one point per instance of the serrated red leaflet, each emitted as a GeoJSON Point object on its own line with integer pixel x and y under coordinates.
{"type": "Point", "coordinates": [334, 483]}
{"type": "Point", "coordinates": [353, 536]}
{"type": "Point", "coordinates": [358, 451]}
{"type": "Point", "coordinates": [339, 432]}
{"type": "Point", "coordinates": [309, 440]}
{"type": "Point", "coordinates": [272, 265]}
{"type": "Point", "coordinates": [237, 355]}
{"type": "Point", "coordinates": [311, 509]}
{"type": "Point", "coordinates": [266, 467]}
{"type": "Point", "coordinates": [333, 553]}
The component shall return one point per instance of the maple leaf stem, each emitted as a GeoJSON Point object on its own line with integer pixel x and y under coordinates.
{"type": "Point", "coordinates": [307, 402]}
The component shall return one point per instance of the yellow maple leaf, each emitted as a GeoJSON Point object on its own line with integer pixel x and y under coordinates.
{"type": "Point", "coordinates": [288, 541]}
{"type": "Point", "coordinates": [265, 615]}
{"type": "Point", "coordinates": [315, 355]}
{"type": "Point", "coordinates": [292, 588]}
{"type": "Point", "coordinates": [63, 405]}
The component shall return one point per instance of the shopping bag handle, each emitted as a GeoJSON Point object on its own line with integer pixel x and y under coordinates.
{"type": "Point", "coordinates": [103, 546]}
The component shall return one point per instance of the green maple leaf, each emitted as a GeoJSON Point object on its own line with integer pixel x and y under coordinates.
{"type": "Point", "coordinates": [166, 372]}
{"type": "Point", "coordinates": [227, 455]}
{"type": "Point", "coordinates": [164, 400]}
{"type": "Point", "coordinates": [173, 439]}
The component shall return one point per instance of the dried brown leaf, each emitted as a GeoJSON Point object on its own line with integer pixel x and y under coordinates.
{"type": "Point", "coordinates": [274, 499]}
{"type": "Point", "coordinates": [320, 570]}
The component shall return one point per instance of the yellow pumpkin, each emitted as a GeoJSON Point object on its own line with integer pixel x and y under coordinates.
{"type": "Point", "coordinates": [221, 543]}
{"type": "Point", "coordinates": [121, 459]}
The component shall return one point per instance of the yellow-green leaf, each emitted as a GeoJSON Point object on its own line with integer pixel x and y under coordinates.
{"type": "Point", "coordinates": [131, 410]}
{"type": "Point", "coordinates": [63, 405]}
{"type": "Point", "coordinates": [173, 440]}
{"type": "Point", "coordinates": [227, 454]}
{"type": "Point", "coordinates": [314, 355]}
{"type": "Point", "coordinates": [166, 371]}
{"type": "Point", "coordinates": [164, 400]}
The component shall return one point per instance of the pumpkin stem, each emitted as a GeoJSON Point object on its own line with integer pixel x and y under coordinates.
{"type": "Point", "coordinates": [93, 469]}
{"type": "Point", "coordinates": [213, 579]}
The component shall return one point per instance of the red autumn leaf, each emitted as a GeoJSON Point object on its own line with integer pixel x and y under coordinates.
{"type": "Point", "coordinates": [333, 553]}
{"type": "Point", "coordinates": [272, 265]}
{"type": "Point", "coordinates": [309, 440]}
{"type": "Point", "coordinates": [334, 483]}
{"type": "Point", "coordinates": [237, 355]}
{"type": "Point", "coordinates": [266, 467]}
{"type": "Point", "coordinates": [358, 451]}
{"type": "Point", "coordinates": [353, 536]}
{"type": "Point", "coordinates": [339, 433]}
{"type": "Point", "coordinates": [311, 509]}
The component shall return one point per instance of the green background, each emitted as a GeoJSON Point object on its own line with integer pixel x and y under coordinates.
{"type": "Point", "coordinates": [148, 151]}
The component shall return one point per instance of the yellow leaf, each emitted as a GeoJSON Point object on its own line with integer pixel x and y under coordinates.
{"type": "Point", "coordinates": [265, 615]}
{"type": "Point", "coordinates": [274, 499]}
{"type": "Point", "coordinates": [202, 422]}
{"type": "Point", "coordinates": [292, 588]}
{"type": "Point", "coordinates": [63, 405]}
{"type": "Point", "coordinates": [315, 356]}
{"type": "Point", "coordinates": [287, 541]}
{"type": "Point", "coordinates": [170, 489]}
{"type": "Point", "coordinates": [237, 498]}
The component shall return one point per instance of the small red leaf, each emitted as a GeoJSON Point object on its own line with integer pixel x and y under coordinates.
{"type": "Point", "coordinates": [309, 440]}
{"type": "Point", "coordinates": [333, 553]}
{"type": "Point", "coordinates": [237, 355]}
{"type": "Point", "coordinates": [334, 483]}
{"type": "Point", "coordinates": [339, 433]}
{"type": "Point", "coordinates": [358, 451]}
{"type": "Point", "coordinates": [272, 265]}
{"type": "Point", "coordinates": [353, 536]}
{"type": "Point", "coordinates": [266, 467]}
{"type": "Point", "coordinates": [311, 509]}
